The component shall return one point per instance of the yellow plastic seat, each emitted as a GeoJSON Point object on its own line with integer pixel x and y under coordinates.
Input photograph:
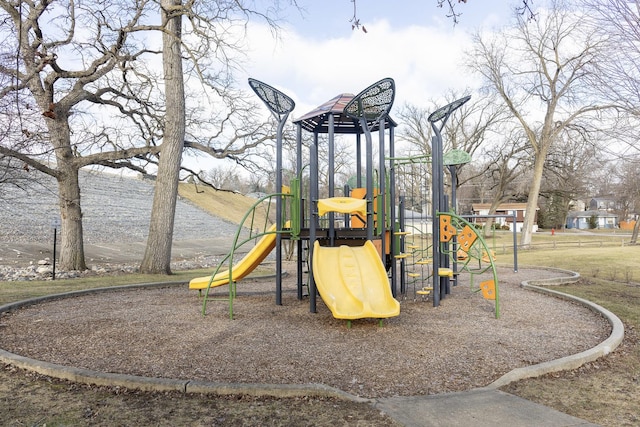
{"type": "Point", "coordinates": [342, 205]}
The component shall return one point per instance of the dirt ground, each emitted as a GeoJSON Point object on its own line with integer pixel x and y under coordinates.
{"type": "Point", "coordinates": [397, 359]}
{"type": "Point", "coordinates": [28, 399]}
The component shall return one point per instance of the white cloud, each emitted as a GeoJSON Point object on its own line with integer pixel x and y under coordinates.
{"type": "Point", "coordinates": [424, 61]}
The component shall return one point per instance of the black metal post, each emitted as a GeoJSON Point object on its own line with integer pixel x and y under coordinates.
{"type": "Point", "coordinates": [313, 218]}
{"type": "Point", "coordinates": [300, 250]}
{"type": "Point", "coordinates": [440, 115]}
{"type": "Point", "coordinates": [436, 159]}
{"type": "Point", "coordinates": [392, 214]}
{"type": "Point", "coordinates": [331, 177]}
{"type": "Point", "coordinates": [515, 243]}
{"type": "Point", "coordinates": [369, 179]}
{"type": "Point", "coordinates": [55, 239]}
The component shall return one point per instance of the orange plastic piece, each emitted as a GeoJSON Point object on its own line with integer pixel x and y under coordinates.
{"type": "Point", "coordinates": [466, 237]}
{"type": "Point", "coordinates": [488, 288]}
{"type": "Point", "coordinates": [485, 257]}
{"type": "Point", "coordinates": [447, 231]}
{"type": "Point", "coordinates": [360, 221]}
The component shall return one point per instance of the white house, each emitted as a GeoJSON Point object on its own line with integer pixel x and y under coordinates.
{"type": "Point", "coordinates": [581, 219]}
{"type": "Point", "coordinates": [506, 209]}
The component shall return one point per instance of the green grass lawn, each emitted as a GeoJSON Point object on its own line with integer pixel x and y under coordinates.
{"type": "Point", "coordinates": [20, 290]}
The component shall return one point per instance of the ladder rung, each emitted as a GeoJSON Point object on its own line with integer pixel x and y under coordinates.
{"type": "Point", "coordinates": [424, 261]}
{"type": "Point", "coordinates": [414, 274]}
{"type": "Point", "coordinates": [401, 256]}
{"type": "Point", "coordinates": [413, 247]}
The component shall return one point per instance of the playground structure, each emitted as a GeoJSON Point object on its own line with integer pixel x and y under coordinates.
{"type": "Point", "coordinates": [359, 254]}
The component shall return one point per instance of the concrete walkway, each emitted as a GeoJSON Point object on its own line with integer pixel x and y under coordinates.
{"type": "Point", "coordinates": [477, 408]}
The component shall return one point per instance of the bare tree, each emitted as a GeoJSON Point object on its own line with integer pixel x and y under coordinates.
{"type": "Point", "coordinates": [157, 256]}
{"type": "Point", "coordinates": [618, 78]}
{"type": "Point", "coordinates": [210, 27]}
{"type": "Point", "coordinates": [503, 164]}
{"type": "Point", "coordinates": [55, 78]}
{"type": "Point", "coordinates": [471, 128]}
{"type": "Point", "coordinates": [628, 192]}
{"type": "Point", "coordinates": [568, 172]}
{"type": "Point", "coordinates": [524, 9]}
{"type": "Point", "coordinates": [541, 70]}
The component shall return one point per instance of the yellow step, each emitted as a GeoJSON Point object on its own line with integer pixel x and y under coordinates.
{"type": "Point", "coordinates": [445, 272]}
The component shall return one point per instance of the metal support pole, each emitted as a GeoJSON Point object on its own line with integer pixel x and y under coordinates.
{"type": "Point", "coordinates": [382, 193]}
{"type": "Point", "coordinates": [454, 208]}
{"type": "Point", "coordinates": [392, 214]}
{"type": "Point", "coordinates": [280, 106]}
{"type": "Point", "coordinates": [279, 219]}
{"type": "Point", "coordinates": [440, 115]}
{"type": "Point", "coordinates": [331, 177]}
{"type": "Point", "coordinates": [436, 158]}
{"type": "Point", "coordinates": [300, 251]}
{"type": "Point", "coordinates": [358, 160]}
{"type": "Point", "coordinates": [403, 286]}
{"type": "Point", "coordinates": [515, 243]}
{"type": "Point", "coordinates": [369, 179]}
{"type": "Point", "coordinates": [313, 218]}
{"type": "Point", "coordinates": [55, 239]}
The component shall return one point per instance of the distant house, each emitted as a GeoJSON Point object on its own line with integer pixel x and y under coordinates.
{"type": "Point", "coordinates": [506, 209]}
{"type": "Point", "coordinates": [581, 219]}
{"type": "Point", "coordinates": [603, 203]}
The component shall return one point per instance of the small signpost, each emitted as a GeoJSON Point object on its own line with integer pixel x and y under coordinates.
{"type": "Point", "coordinates": [55, 224]}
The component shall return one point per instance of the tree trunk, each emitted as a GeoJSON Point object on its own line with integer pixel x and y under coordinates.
{"type": "Point", "coordinates": [634, 233]}
{"type": "Point", "coordinates": [157, 257]}
{"type": "Point", "coordinates": [71, 238]}
{"type": "Point", "coordinates": [532, 200]}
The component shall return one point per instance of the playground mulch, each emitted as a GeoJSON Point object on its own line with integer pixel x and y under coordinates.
{"type": "Point", "coordinates": [161, 333]}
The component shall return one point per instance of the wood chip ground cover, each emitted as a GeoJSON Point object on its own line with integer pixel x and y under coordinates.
{"type": "Point", "coordinates": [425, 350]}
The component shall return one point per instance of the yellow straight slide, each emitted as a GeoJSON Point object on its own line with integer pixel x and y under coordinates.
{"type": "Point", "coordinates": [246, 265]}
{"type": "Point", "coordinates": [353, 283]}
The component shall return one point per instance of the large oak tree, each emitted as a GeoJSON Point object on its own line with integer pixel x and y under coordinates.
{"type": "Point", "coordinates": [543, 72]}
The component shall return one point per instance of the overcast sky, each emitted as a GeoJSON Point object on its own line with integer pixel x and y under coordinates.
{"type": "Point", "coordinates": [412, 41]}
{"type": "Point", "coordinates": [319, 56]}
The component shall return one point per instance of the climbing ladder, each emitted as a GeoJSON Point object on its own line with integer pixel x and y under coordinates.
{"type": "Point", "coordinates": [468, 252]}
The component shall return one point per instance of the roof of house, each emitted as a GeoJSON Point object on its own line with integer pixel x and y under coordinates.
{"type": "Point", "coordinates": [502, 207]}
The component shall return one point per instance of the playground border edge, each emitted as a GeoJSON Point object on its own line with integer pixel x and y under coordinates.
{"type": "Point", "coordinates": [90, 377]}
{"type": "Point", "coordinates": [85, 376]}
{"type": "Point", "coordinates": [572, 361]}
